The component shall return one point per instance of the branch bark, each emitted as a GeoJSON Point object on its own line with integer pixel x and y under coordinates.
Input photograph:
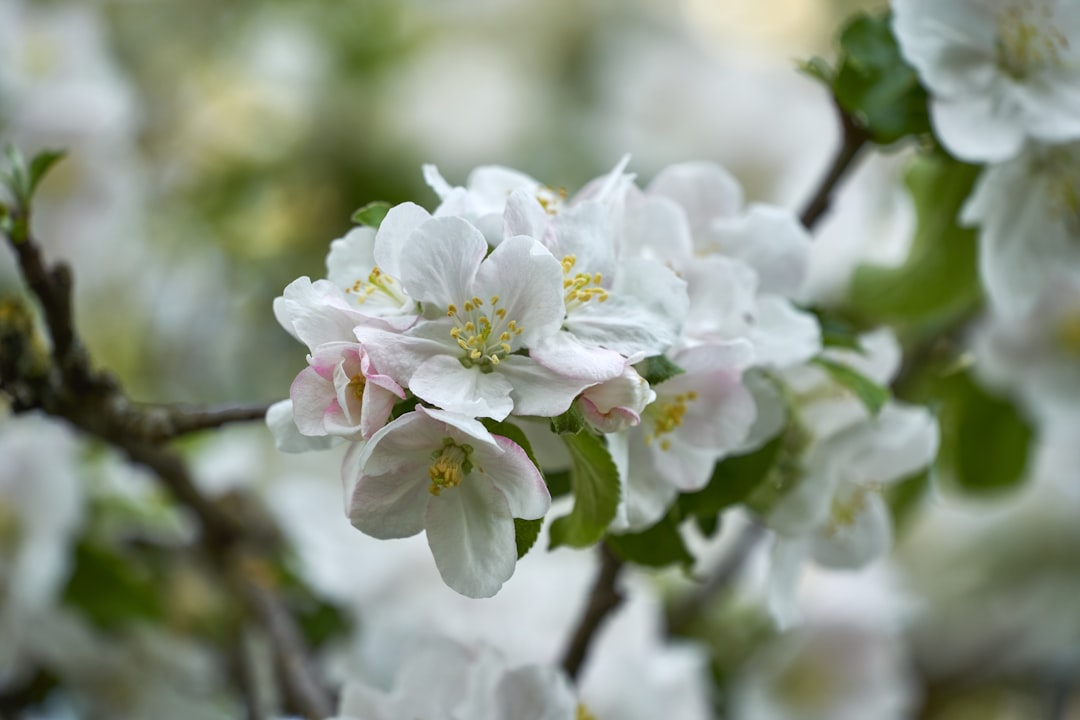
{"type": "Point", "coordinates": [854, 140]}
{"type": "Point", "coordinates": [604, 598]}
{"type": "Point", "coordinates": [95, 403]}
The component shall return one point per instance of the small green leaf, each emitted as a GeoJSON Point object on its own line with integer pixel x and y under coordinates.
{"type": "Point", "coordinates": [658, 546]}
{"type": "Point", "coordinates": [595, 483]}
{"type": "Point", "coordinates": [733, 480]}
{"type": "Point", "coordinates": [558, 482]}
{"type": "Point", "coordinates": [985, 442]}
{"type": "Point", "coordinates": [40, 166]}
{"type": "Point", "coordinates": [525, 534]}
{"type": "Point", "coordinates": [837, 332]}
{"type": "Point", "coordinates": [875, 84]}
{"type": "Point", "coordinates": [371, 214]}
{"type": "Point", "coordinates": [818, 68]}
{"type": "Point", "coordinates": [657, 369]}
{"type": "Point", "coordinates": [939, 281]}
{"type": "Point", "coordinates": [872, 395]}
{"type": "Point", "coordinates": [111, 590]}
{"type": "Point", "coordinates": [570, 422]}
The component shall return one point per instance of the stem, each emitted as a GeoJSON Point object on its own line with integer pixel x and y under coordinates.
{"type": "Point", "coordinates": [603, 599]}
{"type": "Point", "coordinates": [853, 141]}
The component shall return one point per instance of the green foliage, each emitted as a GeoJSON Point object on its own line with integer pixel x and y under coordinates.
{"type": "Point", "coordinates": [658, 546]}
{"type": "Point", "coordinates": [733, 481]}
{"type": "Point", "coordinates": [558, 482]}
{"type": "Point", "coordinates": [657, 369]}
{"type": "Point", "coordinates": [985, 442]}
{"type": "Point", "coordinates": [873, 83]}
{"type": "Point", "coordinates": [837, 332]}
{"type": "Point", "coordinates": [595, 483]}
{"type": "Point", "coordinates": [110, 589]}
{"type": "Point", "coordinates": [372, 214]}
{"type": "Point", "coordinates": [319, 620]}
{"type": "Point", "coordinates": [939, 280]}
{"type": "Point", "coordinates": [570, 422]}
{"type": "Point", "coordinates": [525, 534]}
{"type": "Point", "coordinates": [872, 395]}
{"type": "Point", "coordinates": [22, 179]}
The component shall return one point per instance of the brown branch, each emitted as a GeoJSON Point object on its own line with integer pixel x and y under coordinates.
{"type": "Point", "coordinates": [684, 613]}
{"type": "Point", "coordinates": [603, 599]}
{"type": "Point", "coordinates": [854, 139]}
{"type": "Point", "coordinates": [94, 402]}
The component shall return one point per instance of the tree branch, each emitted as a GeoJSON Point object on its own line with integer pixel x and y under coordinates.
{"type": "Point", "coordinates": [853, 141]}
{"type": "Point", "coordinates": [95, 403]}
{"type": "Point", "coordinates": [603, 599]}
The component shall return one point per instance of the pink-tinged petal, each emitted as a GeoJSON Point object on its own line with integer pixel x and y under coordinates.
{"type": "Point", "coordinates": [569, 356]}
{"type": "Point", "coordinates": [393, 235]}
{"type": "Point", "coordinates": [287, 438]}
{"type": "Point", "coordinates": [316, 313]}
{"type": "Point", "coordinates": [347, 400]}
{"type": "Point", "coordinates": [399, 355]}
{"type": "Point", "coordinates": [517, 479]}
{"type": "Point", "coordinates": [538, 390]}
{"type": "Point", "coordinates": [613, 420]}
{"type": "Point", "coordinates": [393, 505]}
{"type": "Point", "coordinates": [379, 380]}
{"type": "Point", "coordinates": [375, 409]}
{"type": "Point", "coordinates": [471, 535]}
{"type": "Point", "coordinates": [440, 260]}
{"type": "Point", "coordinates": [528, 281]}
{"type": "Point", "coordinates": [445, 382]}
{"type": "Point", "coordinates": [703, 189]}
{"type": "Point", "coordinates": [312, 396]}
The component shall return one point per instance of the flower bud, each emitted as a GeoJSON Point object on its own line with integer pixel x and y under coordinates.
{"type": "Point", "coordinates": [616, 404]}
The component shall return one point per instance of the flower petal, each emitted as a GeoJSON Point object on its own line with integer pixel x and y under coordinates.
{"type": "Point", "coordinates": [287, 438]}
{"type": "Point", "coordinates": [538, 390]}
{"type": "Point", "coordinates": [393, 235]}
{"type": "Point", "coordinates": [528, 281]}
{"type": "Point", "coordinates": [514, 474]}
{"type": "Point", "coordinates": [440, 259]}
{"type": "Point", "coordinates": [444, 381]}
{"type": "Point", "coordinates": [471, 535]}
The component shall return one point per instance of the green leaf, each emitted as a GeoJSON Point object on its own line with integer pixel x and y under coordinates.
{"type": "Point", "coordinates": [872, 395]}
{"type": "Point", "coordinates": [595, 483]}
{"type": "Point", "coordinates": [111, 590]}
{"type": "Point", "coordinates": [40, 166]}
{"type": "Point", "coordinates": [372, 214]}
{"type": "Point", "coordinates": [939, 281]}
{"type": "Point", "coordinates": [733, 480]}
{"type": "Point", "coordinates": [985, 441]}
{"type": "Point", "coordinates": [819, 69]}
{"type": "Point", "coordinates": [658, 546]}
{"type": "Point", "coordinates": [874, 83]}
{"type": "Point", "coordinates": [570, 422]}
{"type": "Point", "coordinates": [837, 332]}
{"type": "Point", "coordinates": [525, 534]}
{"type": "Point", "coordinates": [657, 369]}
{"type": "Point", "coordinates": [558, 482]}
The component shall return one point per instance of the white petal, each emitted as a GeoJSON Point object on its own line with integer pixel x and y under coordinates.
{"type": "Point", "coordinates": [393, 236]}
{"type": "Point", "coordinates": [528, 281]}
{"type": "Point", "coordinates": [538, 390]}
{"type": "Point", "coordinates": [573, 358]}
{"type": "Point", "coordinates": [772, 241]}
{"type": "Point", "coordinates": [352, 257]}
{"type": "Point", "coordinates": [517, 479]}
{"type": "Point", "coordinates": [444, 381]}
{"type": "Point", "coordinates": [782, 334]}
{"type": "Point", "coordinates": [471, 535]}
{"type": "Point", "coordinates": [313, 397]}
{"type": "Point", "coordinates": [535, 692]}
{"type": "Point", "coordinates": [787, 561]}
{"type": "Point", "coordinates": [440, 259]}
{"type": "Point", "coordinates": [287, 438]}
{"type": "Point", "coordinates": [656, 228]}
{"type": "Point", "coordinates": [704, 190]}
{"type": "Point", "coordinates": [393, 505]}
{"type": "Point", "coordinates": [854, 545]}
{"type": "Point", "coordinates": [972, 130]}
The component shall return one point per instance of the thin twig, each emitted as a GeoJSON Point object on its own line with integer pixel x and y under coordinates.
{"type": "Point", "coordinates": [854, 139]}
{"type": "Point", "coordinates": [603, 599]}
{"type": "Point", "coordinates": [683, 615]}
{"type": "Point", "coordinates": [95, 403]}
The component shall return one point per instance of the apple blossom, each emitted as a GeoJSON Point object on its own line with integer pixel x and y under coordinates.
{"type": "Point", "coordinates": [1000, 72]}
{"type": "Point", "coordinates": [444, 473]}
{"type": "Point", "coordinates": [616, 404]}
{"type": "Point", "coordinates": [341, 393]}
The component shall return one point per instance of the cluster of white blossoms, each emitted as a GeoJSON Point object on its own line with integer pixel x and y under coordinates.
{"type": "Point", "coordinates": [433, 333]}
{"type": "Point", "coordinates": [1004, 83]}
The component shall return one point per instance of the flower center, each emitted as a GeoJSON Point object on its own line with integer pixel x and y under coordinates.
{"type": "Point", "coordinates": [846, 507]}
{"type": "Point", "coordinates": [377, 281]}
{"type": "Point", "coordinates": [484, 334]}
{"type": "Point", "coordinates": [357, 385]}
{"type": "Point", "coordinates": [550, 199]}
{"type": "Point", "coordinates": [449, 465]}
{"type": "Point", "coordinates": [666, 416]}
{"type": "Point", "coordinates": [1027, 39]}
{"type": "Point", "coordinates": [1068, 334]}
{"type": "Point", "coordinates": [582, 287]}
{"type": "Point", "coordinates": [583, 713]}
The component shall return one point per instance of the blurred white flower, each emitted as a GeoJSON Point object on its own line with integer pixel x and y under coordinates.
{"type": "Point", "coordinates": [1000, 72]}
{"type": "Point", "coordinates": [1028, 213]}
